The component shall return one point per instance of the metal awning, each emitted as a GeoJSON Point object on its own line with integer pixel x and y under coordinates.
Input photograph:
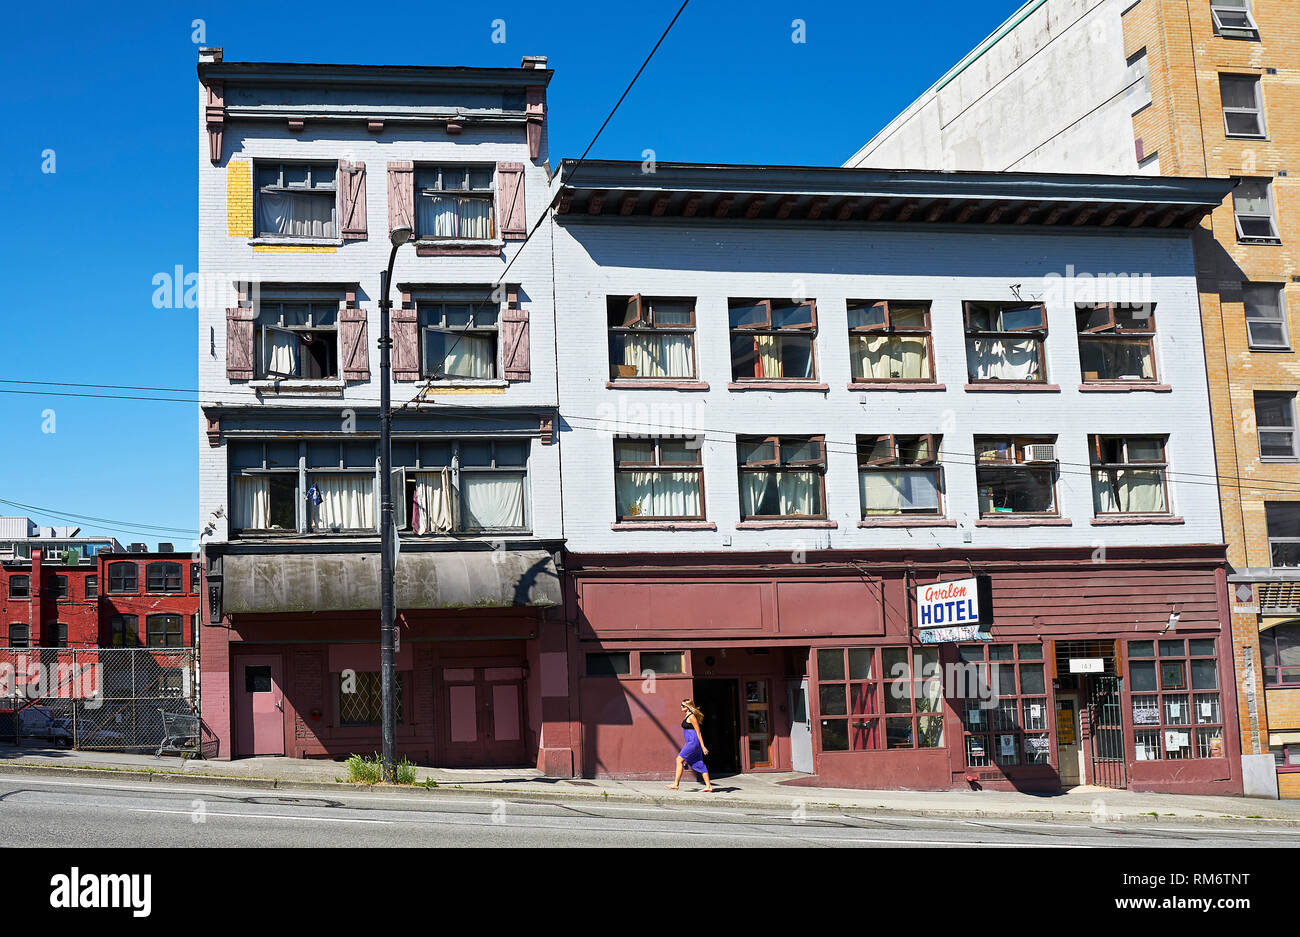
{"type": "Point", "coordinates": [344, 582]}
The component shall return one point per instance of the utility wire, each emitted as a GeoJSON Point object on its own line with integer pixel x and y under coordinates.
{"type": "Point", "coordinates": [121, 525]}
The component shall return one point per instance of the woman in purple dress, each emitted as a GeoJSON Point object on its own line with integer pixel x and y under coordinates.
{"type": "Point", "coordinates": [693, 751]}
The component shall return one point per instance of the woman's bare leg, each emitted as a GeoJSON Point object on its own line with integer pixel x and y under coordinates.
{"type": "Point", "coordinates": [677, 781]}
{"type": "Point", "coordinates": [708, 785]}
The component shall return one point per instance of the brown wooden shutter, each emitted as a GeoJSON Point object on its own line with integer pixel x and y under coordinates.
{"type": "Point", "coordinates": [354, 350]}
{"type": "Point", "coordinates": [514, 337]}
{"type": "Point", "coordinates": [401, 195]}
{"type": "Point", "coordinates": [510, 201]}
{"type": "Point", "coordinates": [239, 343]}
{"type": "Point", "coordinates": [352, 196]}
{"type": "Point", "coordinates": [405, 329]}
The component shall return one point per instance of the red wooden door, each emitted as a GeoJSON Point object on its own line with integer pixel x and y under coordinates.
{"type": "Point", "coordinates": [484, 715]}
{"type": "Point", "coordinates": [259, 705]}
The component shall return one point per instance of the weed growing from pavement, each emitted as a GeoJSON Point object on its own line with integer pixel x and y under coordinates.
{"type": "Point", "coordinates": [363, 770]}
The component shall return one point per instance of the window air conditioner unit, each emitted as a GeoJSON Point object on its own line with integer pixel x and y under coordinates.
{"type": "Point", "coordinates": [1040, 453]}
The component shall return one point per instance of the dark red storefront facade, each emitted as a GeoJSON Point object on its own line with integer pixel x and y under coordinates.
{"type": "Point", "coordinates": [1115, 672]}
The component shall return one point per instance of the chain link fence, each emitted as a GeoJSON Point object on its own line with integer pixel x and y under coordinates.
{"type": "Point", "coordinates": [109, 699]}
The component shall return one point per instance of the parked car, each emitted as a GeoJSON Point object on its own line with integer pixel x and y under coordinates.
{"type": "Point", "coordinates": [37, 722]}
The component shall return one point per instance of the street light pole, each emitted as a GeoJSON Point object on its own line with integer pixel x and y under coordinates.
{"type": "Point", "coordinates": [387, 676]}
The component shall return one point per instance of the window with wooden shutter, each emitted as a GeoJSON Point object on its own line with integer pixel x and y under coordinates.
{"type": "Point", "coordinates": [353, 347]}
{"type": "Point", "coordinates": [239, 343]}
{"type": "Point", "coordinates": [510, 201]}
{"type": "Point", "coordinates": [401, 196]}
{"type": "Point", "coordinates": [405, 329]}
{"type": "Point", "coordinates": [352, 195]}
{"type": "Point", "coordinates": [514, 339]}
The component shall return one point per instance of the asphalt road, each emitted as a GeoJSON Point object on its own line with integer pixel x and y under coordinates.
{"type": "Point", "coordinates": [40, 811]}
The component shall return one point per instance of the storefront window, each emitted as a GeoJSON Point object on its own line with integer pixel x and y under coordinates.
{"type": "Point", "coordinates": [848, 697]}
{"type": "Point", "coordinates": [913, 697]}
{"type": "Point", "coordinates": [1174, 685]}
{"type": "Point", "coordinates": [1007, 723]}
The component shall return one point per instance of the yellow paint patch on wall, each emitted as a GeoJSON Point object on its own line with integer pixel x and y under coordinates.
{"type": "Point", "coordinates": [294, 249]}
{"type": "Point", "coordinates": [448, 391]}
{"type": "Point", "coordinates": [239, 198]}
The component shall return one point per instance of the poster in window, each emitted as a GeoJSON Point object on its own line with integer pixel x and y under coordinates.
{"type": "Point", "coordinates": [1146, 715]}
{"type": "Point", "coordinates": [1007, 745]}
{"type": "Point", "coordinates": [1176, 740]}
{"type": "Point", "coordinates": [1037, 744]}
{"type": "Point", "coordinates": [976, 748]}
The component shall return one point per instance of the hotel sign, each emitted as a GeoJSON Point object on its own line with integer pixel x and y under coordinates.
{"type": "Point", "coordinates": [953, 604]}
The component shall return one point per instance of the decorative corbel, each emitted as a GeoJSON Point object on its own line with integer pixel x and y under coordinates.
{"type": "Point", "coordinates": [214, 431]}
{"type": "Point", "coordinates": [216, 119]}
{"type": "Point", "coordinates": [546, 430]}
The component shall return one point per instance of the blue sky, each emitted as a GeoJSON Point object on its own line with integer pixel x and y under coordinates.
{"type": "Point", "coordinates": [110, 88]}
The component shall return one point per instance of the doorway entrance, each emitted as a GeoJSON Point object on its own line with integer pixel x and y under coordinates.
{"type": "Point", "coordinates": [484, 703]}
{"type": "Point", "coordinates": [1106, 724]}
{"type": "Point", "coordinates": [1068, 749]}
{"type": "Point", "coordinates": [718, 698]}
{"type": "Point", "coordinates": [259, 705]}
{"type": "Point", "coordinates": [801, 749]}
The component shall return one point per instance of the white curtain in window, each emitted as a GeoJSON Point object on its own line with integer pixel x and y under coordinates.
{"type": "Point", "coordinates": [445, 216]}
{"type": "Point", "coordinates": [471, 356]}
{"type": "Point", "coordinates": [993, 359]}
{"type": "Point", "coordinates": [881, 357]}
{"type": "Point", "coordinates": [1129, 491]}
{"type": "Point", "coordinates": [658, 494]}
{"type": "Point", "coordinates": [433, 506]}
{"type": "Point", "coordinates": [658, 355]}
{"type": "Point", "coordinates": [493, 500]}
{"type": "Point", "coordinates": [286, 214]}
{"type": "Point", "coordinates": [894, 492]}
{"type": "Point", "coordinates": [252, 502]}
{"type": "Point", "coordinates": [789, 492]}
{"type": "Point", "coordinates": [281, 352]}
{"type": "Point", "coordinates": [347, 501]}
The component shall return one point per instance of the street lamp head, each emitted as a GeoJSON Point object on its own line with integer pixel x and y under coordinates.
{"type": "Point", "coordinates": [399, 236]}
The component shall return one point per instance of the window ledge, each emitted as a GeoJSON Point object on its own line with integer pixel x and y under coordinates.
{"type": "Point", "coordinates": [433, 248]}
{"type": "Point", "coordinates": [778, 385]}
{"type": "Point", "coordinates": [664, 383]}
{"type": "Point", "coordinates": [1115, 521]}
{"type": "Point", "coordinates": [297, 388]}
{"type": "Point", "coordinates": [907, 522]}
{"type": "Point", "coordinates": [1024, 522]}
{"type": "Point", "coordinates": [663, 525]}
{"type": "Point", "coordinates": [896, 385]}
{"type": "Point", "coordinates": [1284, 349]}
{"type": "Point", "coordinates": [1015, 386]}
{"type": "Point", "coordinates": [1098, 387]}
{"type": "Point", "coordinates": [793, 522]}
{"type": "Point", "coordinates": [299, 242]}
{"type": "Point", "coordinates": [1268, 242]}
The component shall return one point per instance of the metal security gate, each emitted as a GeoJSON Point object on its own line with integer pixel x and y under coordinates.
{"type": "Point", "coordinates": [1106, 738]}
{"type": "Point", "coordinates": [111, 699]}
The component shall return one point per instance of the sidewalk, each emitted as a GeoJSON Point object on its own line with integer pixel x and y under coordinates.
{"type": "Point", "coordinates": [1088, 804]}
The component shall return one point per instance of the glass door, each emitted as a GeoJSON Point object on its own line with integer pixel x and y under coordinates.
{"type": "Point", "coordinates": [758, 723]}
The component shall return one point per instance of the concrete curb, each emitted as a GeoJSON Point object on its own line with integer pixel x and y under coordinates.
{"type": "Point", "coordinates": [558, 795]}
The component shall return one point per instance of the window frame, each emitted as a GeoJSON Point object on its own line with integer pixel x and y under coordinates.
{"type": "Point", "coordinates": [424, 306]}
{"type": "Point", "coordinates": [895, 463]}
{"type": "Point", "coordinates": [164, 577]}
{"type": "Point", "coordinates": [817, 466]}
{"type": "Point", "coordinates": [1261, 123]}
{"type": "Point", "coordinates": [62, 589]}
{"type": "Point", "coordinates": [1274, 541]}
{"type": "Point", "coordinates": [1276, 681]}
{"type": "Point", "coordinates": [196, 578]}
{"type": "Point", "coordinates": [165, 620]}
{"type": "Point", "coordinates": [56, 629]}
{"type": "Point", "coordinates": [458, 470]}
{"type": "Point", "coordinates": [1113, 332]}
{"type": "Point", "coordinates": [860, 692]}
{"type": "Point", "coordinates": [134, 578]}
{"type": "Point", "coordinates": [282, 187]}
{"type": "Point", "coordinates": [887, 327]}
{"type": "Point", "coordinates": [1293, 429]}
{"type": "Point", "coordinates": [1225, 32]}
{"type": "Point", "coordinates": [124, 630]}
{"type": "Point", "coordinates": [303, 334]}
{"type": "Point", "coordinates": [13, 635]}
{"type": "Point", "coordinates": [373, 691]}
{"type": "Point", "coordinates": [468, 193]}
{"type": "Point", "coordinates": [993, 721]}
{"type": "Point", "coordinates": [1017, 445]}
{"type": "Point", "coordinates": [1279, 291]}
{"type": "Point", "coordinates": [1160, 661]}
{"type": "Point", "coordinates": [659, 466]}
{"type": "Point", "coordinates": [915, 712]}
{"type": "Point", "coordinates": [92, 587]}
{"type": "Point", "coordinates": [1037, 334]}
{"type": "Point", "coordinates": [645, 321]}
{"type": "Point", "coordinates": [767, 328]}
{"type": "Point", "coordinates": [273, 471]}
{"type": "Point", "coordinates": [1274, 237]}
{"type": "Point", "coordinates": [1096, 464]}
{"type": "Point", "coordinates": [24, 591]}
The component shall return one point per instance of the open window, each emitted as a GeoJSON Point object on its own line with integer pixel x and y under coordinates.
{"type": "Point", "coordinates": [297, 340]}
{"type": "Point", "coordinates": [772, 339]}
{"type": "Point", "coordinates": [1266, 320]}
{"type": "Point", "coordinates": [1129, 475]}
{"type": "Point", "coordinates": [1233, 19]}
{"type": "Point", "coordinates": [461, 485]}
{"type": "Point", "coordinates": [1005, 342]}
{"type": "Point", "coordinates": [1252, 205]}
{"type": "Point", "coordinates": [890, 341]}
{"type": "Point", "coordinates": [651, 338]}
{"type": "Point", "coordinates": [1116, 342]}
{"type": "Point", "coordinates": [899, 475]}
{"type": "Point", "coordinates": [782, 477]}
{"type": "Point", "coordinates": [1016, 475]}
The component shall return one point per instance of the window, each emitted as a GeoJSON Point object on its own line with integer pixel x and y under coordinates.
{"type": "Point", "coordinates": [340, 492]}
{"type": "Point", "coordinates": [1016, 475]}
{"type": "Point", "coordinates": [1009, 724]}
{"type": "Point", "coordinates": [61, 587]}
{"type": "Point", "coordinates": [19, 587]}
{"type": "Point", "coordinates": [660, 662]}
{"type": "Point", "coordinates": [1266, 322]}
{"type": "Point", "coordinates": [1286, 756]}
{"type": "Point", "coordinates": [1174, 690]}
{"type": "Point", "coordinates": [782, 476]}
{"type": "Point", "coordinates": [92, 587]}
{"type": "Point", "coordinates": [1128, 475]}
{"type": "Point", "coordinates": [772, 339]}
{"type": "Point", "coordinates": [1116, 342]}
{"type": "Point", "coordinates": [461, 485]}
{"type": "Point", "coordinates": [296, 200]}
{"type": "Point", "coordinates": [609, 664]}
{"type": "Point", "coordinates": [651, 338]}
{"type": "Point", "coordinates": [55, 634]}
{"type": "Point", "coordinates": [18, 635]}
{"type": "Point", "coordinates": [123, 577]}
{"type": "Point", "coordinates": [1233, 19]}
{"type": "Point", "coordinates": [1276, 426]}
{"type": "Point", "coordinates": [1243, 109]}
{"type": "Point", "coordinates": [1283, 521]}
{"type": "Point", "coordinates": [1279, 655]}
{"type": "Point", "coordinates": [124, 631]}
{"type": "Point", "coordinates": [264, 479]}
{"type": "Point", "coordinates": [1252, 203]}
{"type": "Point", "coordinates": [297, 340]}
{"type": "Point", "coordinates": [196, 578]}
{"type": "Point", "coordinates": [658, 479]}
{"type": "Point", "coordinates": [360, 699]}
{"type": "Point", "coordinates": [453, 202]}
{"type": "Point", "coordinates": [899, 475]}
{"type": "Point", "coordinates": [913, 697]}
{"type": "Point", "coordinates": [164, 631]}
{"type": "Point", "coordinates": [1004, 342]}
{"type": "Point", "coordinates": [848, 697]}
{"type": "Point", "coordinates": [458, 339]}
{"type": "Point", "coordinates": [162, 577]}
{"type": "Point", "coordinates": [890, 341]}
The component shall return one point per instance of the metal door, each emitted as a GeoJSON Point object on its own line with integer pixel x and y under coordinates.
{"type": "Point", "coordinates": [1106, 736]}
{"type": "Point", "coordinates": [801, 751]}
{"type": "Point", "coordinates": [485, 715]}
{"type": "Point", "coordinates": [260, 704]}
